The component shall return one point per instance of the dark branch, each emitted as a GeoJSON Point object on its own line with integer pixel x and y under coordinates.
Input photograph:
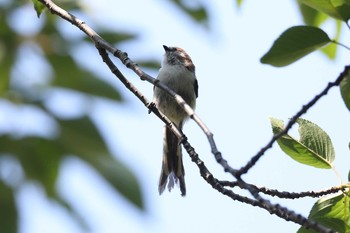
{"type": "Point", "coordinates": [284, 194]}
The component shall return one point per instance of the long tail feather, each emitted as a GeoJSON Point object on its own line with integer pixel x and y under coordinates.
{"type": "Point", "coordinates": [172, 165]}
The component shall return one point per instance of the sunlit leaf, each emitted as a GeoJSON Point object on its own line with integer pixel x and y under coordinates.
{"type": "Point", "coordinates": [345, 90]}
{"type": "Point", "coordinates": [337, 9]}
{"type": "Point", "coordinates": [314, 147]}
{"type": "Point", "coordinates": [8, 211]}
{"type": "Point", "coordinates": [330, 50]}
{"type": "Point", "coordinates": [239, 3]}
{"type": "Point", "coordinates": [316, 139]}
{"type": "Point", "coordinates": [311, 16]}
{"type": "Point", "coordinates": [295, 43]}
{"type": "Point", "coordinates": [332, 212]}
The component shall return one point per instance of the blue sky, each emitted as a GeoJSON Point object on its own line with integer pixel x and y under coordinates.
{"type": "Point", "coordinates": [237, 95]}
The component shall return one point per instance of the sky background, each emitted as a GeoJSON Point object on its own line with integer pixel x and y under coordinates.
{"type": "Point", "coordinates": [237, 95]}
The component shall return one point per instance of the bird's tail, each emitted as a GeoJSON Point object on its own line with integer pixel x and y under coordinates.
{"type": "Point", "coordinates": [172, 166]}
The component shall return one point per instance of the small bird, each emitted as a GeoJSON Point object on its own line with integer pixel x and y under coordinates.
{"type": "Point", "coordinates": [178, 73]}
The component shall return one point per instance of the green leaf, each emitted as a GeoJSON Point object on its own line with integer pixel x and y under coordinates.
{"type": "Point", "coordinates": [333, 212]}
{"type": "Point", "coordinates": [121, 178]}
{"type": "Point", "coordinates": [295, 43]}
{"type": "Point", "coordinates": [80, 137]}
{"type": "Point", "coordinates": [311, 16]}
{"type": "Point", "coordinates": [8, 53]}
{"type": "Point", "coordinates": [312, 136]}
{"type": "Point", "coordinates": [149, 64]}
{"type": "Point", "coordinates": [8, 211]}
{"type": "Point", "coordinates": [345, 90]}
{"type": "Point", "coordinates": [316, 18]}
{"type": "Point", "coordinates": [239, 3]}
{"type": "Point", "coordinates": [198, 13]}
{"type": "Point", "coordinates": [39, 7]}
{"type": "Point", "coordinates": [69, 75]}
{"type": "Point", "coordinates": [114, 37]}
{"type": "Point", "coordinates": [314, 147]}
{"type": "Point", "coordinates": [338, 9]}
{"type": "Point", "coordinates": [73, 213]}
{"type": "Point", "coordinates": [330, 50]}
{"type": "Point", "coordinates": [39, 157]}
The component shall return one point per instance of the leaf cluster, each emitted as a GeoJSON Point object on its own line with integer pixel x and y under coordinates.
{"type": "Point", "coordinates": [314, 147]}
{"type": "Point", "coordinates": [39, 158]}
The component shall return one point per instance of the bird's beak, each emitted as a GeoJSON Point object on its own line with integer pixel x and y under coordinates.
{"type": "Point", "coordinates": [166, 48]}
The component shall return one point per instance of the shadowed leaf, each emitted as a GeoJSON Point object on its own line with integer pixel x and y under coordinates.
{"type": "Point", "coordinates": [69, 75]}
{"type": "Point", "coordinates": [149, 64]}
{"type": "Point", "coordinates": [39, 157]}
{"type": "Point", "coordinates": [121, 178]}
{"type": "Point", "coordinates": [8, 45]}
{"type": "Point", "coordinates": [332, 212]}
{"type": "Point", "coordinates": [8, 211]}
{"type": "Point", "coordinates": [115, 37]}
{"type": "Point", "coordinates": [345, 90]}
{"type": "Point", "coordinates": [80, 137]}
{"type": "Point", "coordinates": [295, 43]}
{"type": "Point", "coordinates": [197, 13]}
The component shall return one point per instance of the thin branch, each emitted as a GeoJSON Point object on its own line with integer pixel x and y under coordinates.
{"type": "Point", "coordinates": [347, 24]}
{"type": "Point", "coordinates": [287, 195]}
{"type": "Point", "coordinates": [340, 44]}
{"type": "Point", "coordinates": [292, 121]}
